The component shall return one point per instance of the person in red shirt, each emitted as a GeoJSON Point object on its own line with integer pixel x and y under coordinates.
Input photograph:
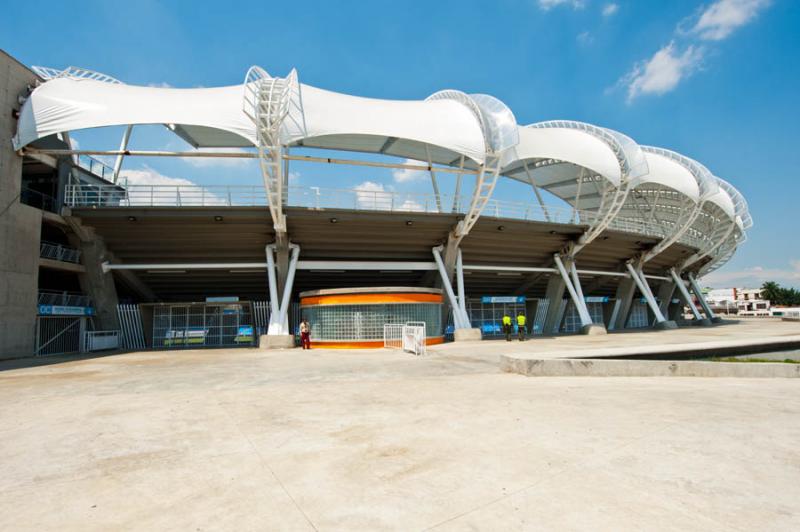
{"type": "Point", "coordinates": [305, 334]}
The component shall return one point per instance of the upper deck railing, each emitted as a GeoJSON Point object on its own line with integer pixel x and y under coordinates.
{"type": "Point", "coordinates": [318, 198]}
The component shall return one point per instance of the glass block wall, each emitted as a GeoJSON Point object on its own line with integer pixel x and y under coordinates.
{"type": "Point", "coordinates": [356, 316]}
{"type": "Point", "coordinates": [365, 322]}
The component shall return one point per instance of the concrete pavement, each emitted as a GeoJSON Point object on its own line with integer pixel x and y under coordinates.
{"type": "Point", "coordinates": [329, 440]}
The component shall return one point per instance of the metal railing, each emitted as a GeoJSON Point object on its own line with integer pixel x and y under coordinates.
{"type": "Point", "coordinates": [53, 251]}
{"type": "Point", "coordinates": [100, 341]}
{"type": "Point", "coordinates": [39, 200]}
{"type": "Point", "coordinates": [329, 198]}
{"type": "Point", "coordinates": [95, 166]}
{"type": "Point", "coordinates": [67, 299]}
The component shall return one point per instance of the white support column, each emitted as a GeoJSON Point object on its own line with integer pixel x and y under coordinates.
{"type": "Point", "coordinates": [463, 329]}
{"type": "Point", "coordinates": [274, 308]}
{"type": "Point", "coordinates": [462, 297]}
{"type": "Point", "coordinates": [287, 289]}
{"type": "Point", "coordinates": [573, 287]}
{"type": "Point", "coordinates": [687, 298]}
{"type": "Point", "coordinates": [126, 136]}
{"type": "Point", "coordinates": [701, 298]}
{"type": "Point", "coordinates": [638, 276]}
{"type": "Point", "coordinates": [278, 333]}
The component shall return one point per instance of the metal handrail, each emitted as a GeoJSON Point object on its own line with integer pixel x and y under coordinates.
{"type": "Point", "coordinates": [54, 251]}
{"type": "Point", "coordinates": [317, 198]}
{"type": "Point", "coordinates": [67, 299]}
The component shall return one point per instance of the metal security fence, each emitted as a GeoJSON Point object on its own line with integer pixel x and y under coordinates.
{"type": "Point", "coordinates": [638, 316]}
{"type": "Point", "coordinates": [59, 335]}
{"type": "Point", "coordinates": [193, 325]}
{"type": "Point", "coordinates": [130, 323]}
{"type": "Point", "coordinates": [572, 320]}
{"type": "Point", "coordinates": [488, 317]}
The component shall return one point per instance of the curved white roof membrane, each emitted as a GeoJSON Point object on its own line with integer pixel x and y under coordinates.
{"type": "Point", "coordinates": [592, 168]}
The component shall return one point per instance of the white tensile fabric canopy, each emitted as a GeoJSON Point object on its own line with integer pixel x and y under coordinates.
{"type": "Point", "coordinates": [450, 128]}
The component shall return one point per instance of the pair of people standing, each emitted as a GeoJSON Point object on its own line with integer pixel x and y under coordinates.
{"type": "Point", "coordinates": [508, 328]}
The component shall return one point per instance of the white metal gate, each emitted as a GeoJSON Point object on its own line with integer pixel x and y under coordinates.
{"type": "Point", "coordinates": [130, 324]}
{"type": "Point", "coordinates": [59, 335]}
{"type": "Point", "coordinates": [410, 337]}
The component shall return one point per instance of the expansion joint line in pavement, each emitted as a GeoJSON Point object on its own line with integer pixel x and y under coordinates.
{"type": "Point", "coordinates": [271, 471]}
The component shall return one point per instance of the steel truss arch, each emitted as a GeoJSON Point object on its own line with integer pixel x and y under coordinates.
{"type": "Point", "coordinates": [500, 133]}
{"type": "Point", "coordinates": [716, 225]}
{"type": "Point", "coordinates": [267, 102]}
{"type": "Point", "coordinates": [48, 73]}
{"type": "Point", "coordinates": [691, 208]}
{"type": "Point", "coordinates": [632, 164]}
{"type": "Point", "coordinates": [737, 236]}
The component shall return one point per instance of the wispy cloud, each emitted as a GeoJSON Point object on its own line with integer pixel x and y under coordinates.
{"type": "Point", "coordinates": [722, 18]}
{"type": "Point", "coordinates": [407, 175]}
{"type": "Point", "coordinates": [683, 56]}
{"type": "Point", "coordinates": [160, 85]}
{"type": "Point", "coordinates": [610, 9]}
{"type": "Point", "coordinates": [755, 276]}
{"type": "Point", "coordinates": [147, 186]}
{"type": "Point", "coordinates": [584, 38]}
{"type": "Point", "coordinates": [547, 5]}
{"type": "Point", "coordinates": [662, 72]}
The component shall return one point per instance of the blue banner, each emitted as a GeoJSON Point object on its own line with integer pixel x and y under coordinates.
{"type": "Point", "coordinates": [503, 299]}
{"type": "Point", "coordinates": [62, 310]}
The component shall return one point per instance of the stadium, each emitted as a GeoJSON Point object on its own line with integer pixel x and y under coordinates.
{"type": "Point", "coordinates": [93, 260]}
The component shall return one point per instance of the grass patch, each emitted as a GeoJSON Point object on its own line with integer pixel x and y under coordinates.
{"type": "Point", "coordinates": [735, 359]}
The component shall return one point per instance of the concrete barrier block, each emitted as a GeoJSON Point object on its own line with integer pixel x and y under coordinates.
{"type": "Point", "coordinates": [276, 341]}
{"type": "Point", "coordinates": [593, 329]}
{"type": "Point", "coordinates": [465, 335]}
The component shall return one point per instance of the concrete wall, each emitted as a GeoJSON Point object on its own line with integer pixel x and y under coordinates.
{"type": "Point", "coordinates": [20, 226]}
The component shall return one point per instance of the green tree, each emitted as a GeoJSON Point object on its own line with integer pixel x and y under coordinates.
{"type": "Point", "coordinates": [771, 291]}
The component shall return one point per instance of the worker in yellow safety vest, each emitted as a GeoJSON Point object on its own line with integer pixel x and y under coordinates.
{"type": "Point", "coordinates": [521, 326]}
{"type": "Point", "coordinates": [507, 327]}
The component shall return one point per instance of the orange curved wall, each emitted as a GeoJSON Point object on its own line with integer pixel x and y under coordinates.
{"type": "Point", "coordinates": [366, 299]}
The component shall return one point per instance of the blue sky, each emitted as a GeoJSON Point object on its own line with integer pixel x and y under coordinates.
{"type": "Point", "coordinates": [716, 80]}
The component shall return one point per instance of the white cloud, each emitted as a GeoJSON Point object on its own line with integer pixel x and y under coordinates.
{"type": "Point", "coordinates": [148, 176]}
{"type": "Point", "coordinates": [160, 85]}
{"type": "Point", "coordinates": [371, 195]}
{"type": "Point", "coordinates": [610, 9]}
{"type": "Point", "coordinates": [756, 276]}
{"type": "Point", "coordinates": [662, 72]}
{"type": "Point", "coordinates": [723, 17]}
{"type": "Point", "coordinates": [547, 5]}
{"type": "Point", "coordinates": [149, 187]}
{"type": "Point", "coordinates": [294, 177]}
{"type": "Point", "coordinates": [406, 175]}
{"type": "Point", "coordinates": [585, 38]}
{"type": "Point", "coordinates": [208, 162]}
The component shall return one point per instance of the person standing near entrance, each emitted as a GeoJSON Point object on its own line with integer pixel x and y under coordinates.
{"type": "Point", "coordinates": [521, 326]}
{"type": "Point", "coordinates": [507, 327]}
{"type": "Point", "coordinates": [305, 334]}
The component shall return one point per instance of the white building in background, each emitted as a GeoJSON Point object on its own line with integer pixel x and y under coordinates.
{"type": "Point", "coordinates": [741, 301]}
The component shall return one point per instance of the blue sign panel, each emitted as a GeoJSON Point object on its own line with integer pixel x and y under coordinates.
{"type": "Point", "coordinates": [596, 299]}
{"type": "Point", "coordinates": [503, 299]}
{"type": "Point", "coordinates": [61, 310]}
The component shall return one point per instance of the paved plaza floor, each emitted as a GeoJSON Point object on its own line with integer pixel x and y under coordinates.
{"type": "Point", "coordinates": [245, 439]}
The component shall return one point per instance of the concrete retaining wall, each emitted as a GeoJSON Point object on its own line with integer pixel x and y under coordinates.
{"type": "Point", "coordinates": [20, 226]}
{"type": "Point", "coordinates": [646, 368]}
